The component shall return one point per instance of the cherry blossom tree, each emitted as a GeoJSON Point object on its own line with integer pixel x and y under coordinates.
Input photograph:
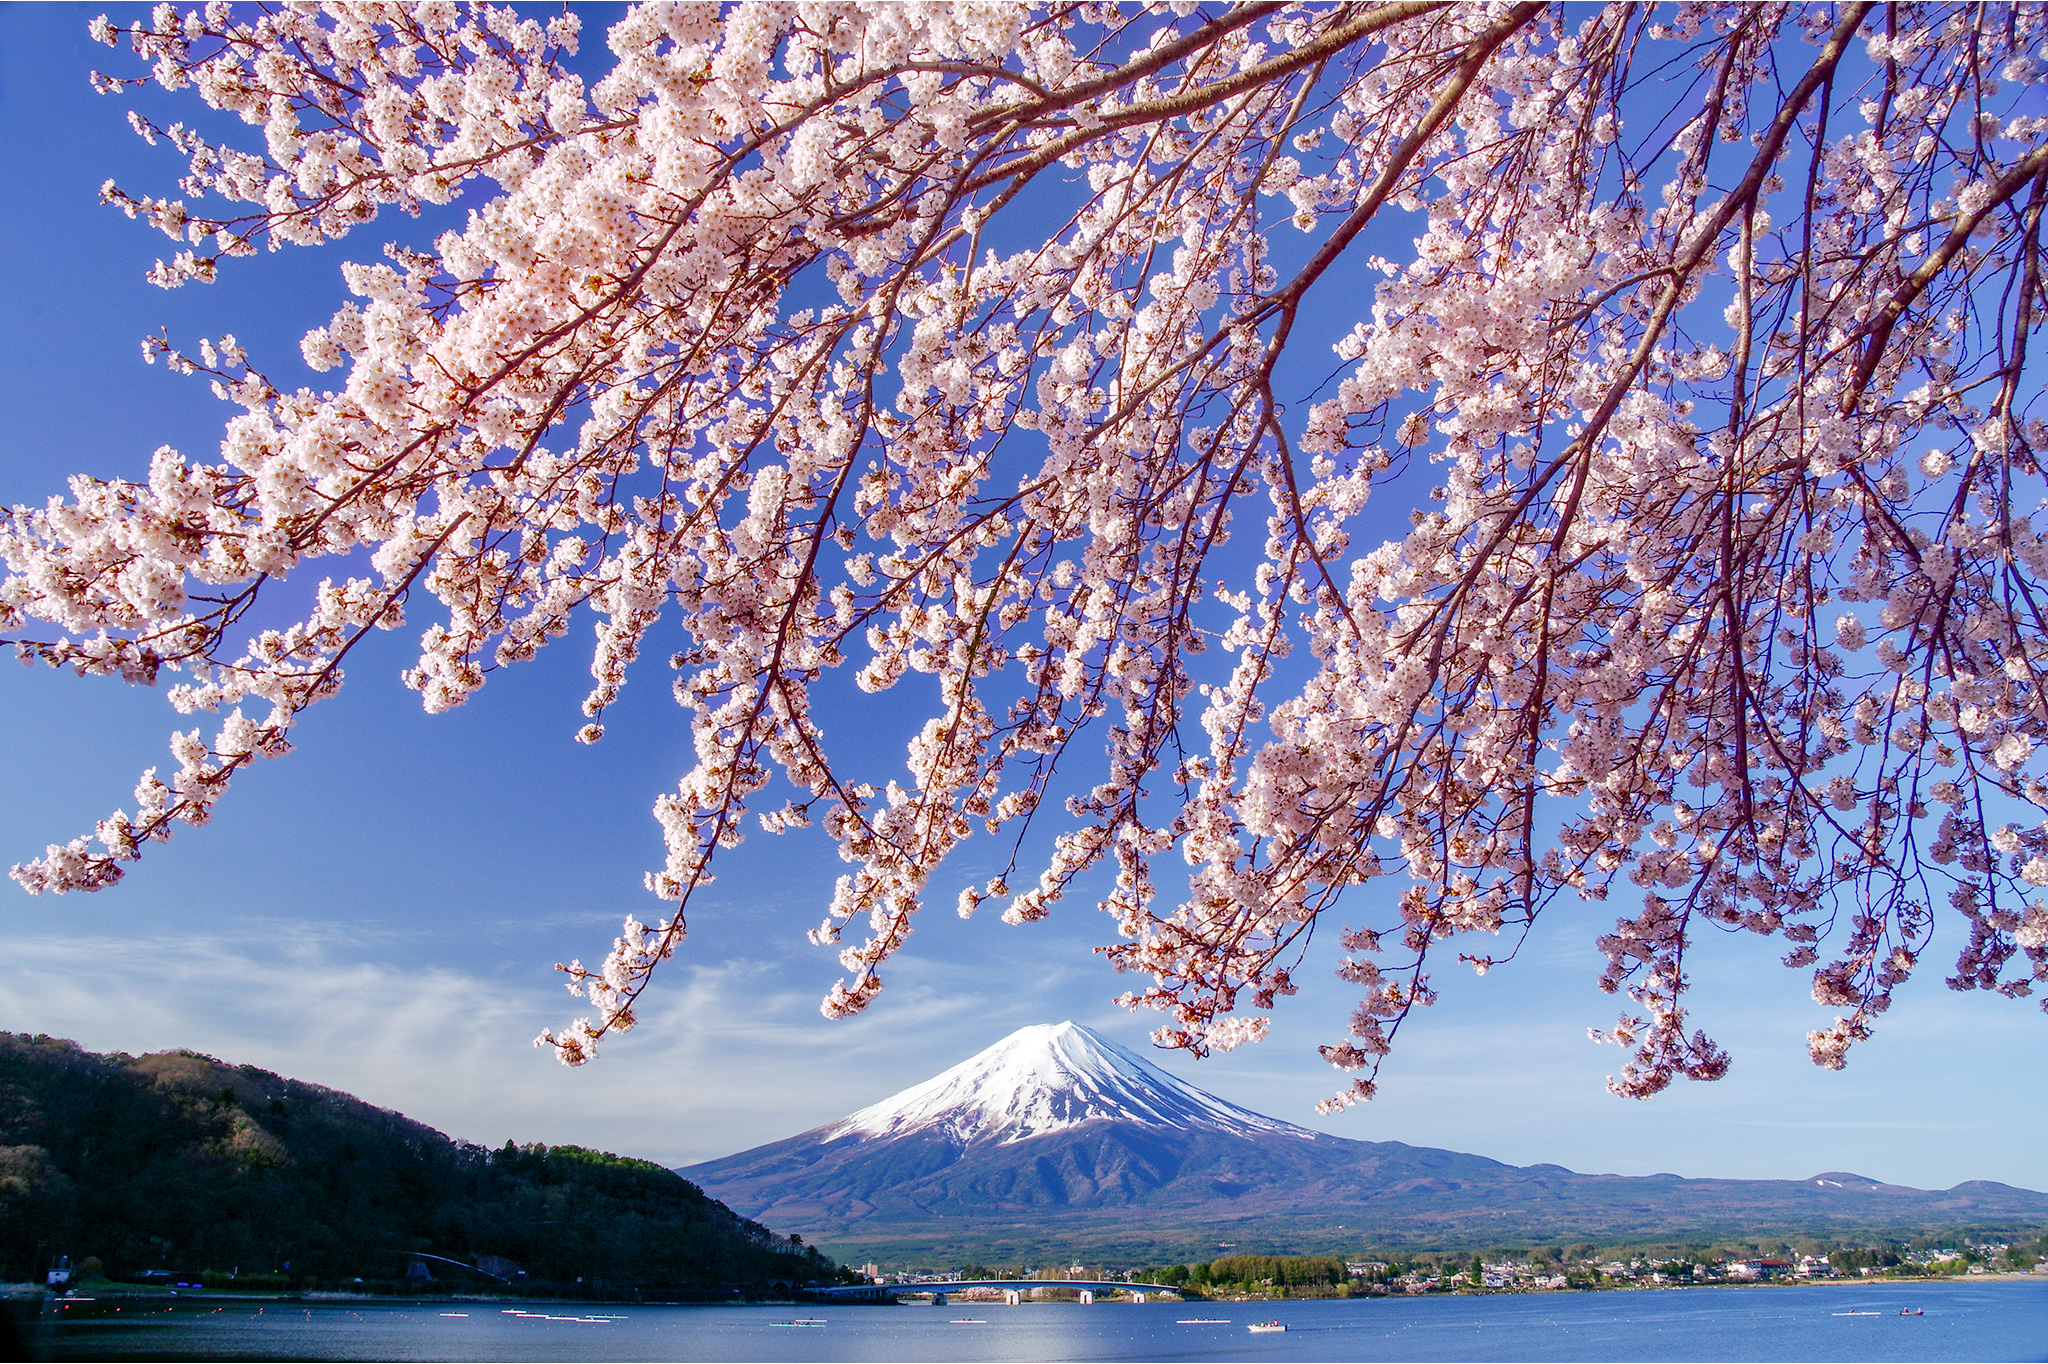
{"type": "Point", "coordinates": [953, 339]}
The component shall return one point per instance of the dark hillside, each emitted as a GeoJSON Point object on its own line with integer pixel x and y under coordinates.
{"type": "Point", "coordinates": [180, 1162]}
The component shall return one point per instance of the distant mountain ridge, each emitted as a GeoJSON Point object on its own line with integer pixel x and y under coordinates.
{"type": "Point", "coordinates": [1058, 1137]}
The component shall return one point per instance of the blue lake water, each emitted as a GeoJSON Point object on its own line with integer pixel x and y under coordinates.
{"type": "Point", "coordinates": [1962, 1321]}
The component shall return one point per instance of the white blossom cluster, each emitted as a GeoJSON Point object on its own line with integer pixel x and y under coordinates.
{"type": "Point", "coordinates": [798, 336]}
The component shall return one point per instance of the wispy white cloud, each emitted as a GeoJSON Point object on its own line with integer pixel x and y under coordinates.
{"type": "Point", "coordinates": [727, 1056]}
{"type": "Point", "coordinates": [733, 1053]}
{"type": "Point", "coordinates": [306, 1001]}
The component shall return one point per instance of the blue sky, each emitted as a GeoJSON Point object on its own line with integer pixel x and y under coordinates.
{"type": "Point", "coordinates": [379, 911]}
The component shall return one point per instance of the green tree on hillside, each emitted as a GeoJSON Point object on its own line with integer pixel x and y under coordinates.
{"type": "Point", "coordinates": [180, 1162]}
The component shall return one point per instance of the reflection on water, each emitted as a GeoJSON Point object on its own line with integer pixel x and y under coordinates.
{"type": "Point", "coordinates": [1960, 1321]}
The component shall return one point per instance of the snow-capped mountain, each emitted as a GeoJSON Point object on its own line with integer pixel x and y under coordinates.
{"type": "Point", "coordinates": [1056, 1139]}
{"type": "Point", "coordinates": [1048, 1078]}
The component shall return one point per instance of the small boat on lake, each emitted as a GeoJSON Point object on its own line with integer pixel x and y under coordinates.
{"type": "Point", "coordinates": [1912, 1311]}
{"type": "Point", "coordinates": [1260, 1327]}
{"type": "Point", "coordinates": [1859, 1314]}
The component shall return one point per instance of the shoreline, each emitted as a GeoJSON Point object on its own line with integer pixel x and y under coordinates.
{"type": "Point", "coordinates": [2002, 1276]}
{"type": "Point", "coordinates": [358, 1300]}
{"type": "Point", "coordinates": [144, 1293]}
{"type": "Point", "coordinates": [311, 1297]}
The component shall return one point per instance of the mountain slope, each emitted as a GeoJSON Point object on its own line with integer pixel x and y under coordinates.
{"type": "Point", "coordinates": [1057, 1137]}
{"type": "Point", "coordinates": [1048, 1078]}
{"type": "Point", "coordinates": [179, 1162]}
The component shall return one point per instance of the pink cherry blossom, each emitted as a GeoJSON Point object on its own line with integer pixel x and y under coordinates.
{"type": "Point", "coordinates": [799, 332]}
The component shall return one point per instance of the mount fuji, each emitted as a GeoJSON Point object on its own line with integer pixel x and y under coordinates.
{"type": "Point", "coordinates": [1057, 1139]}
{"type": "Point", "coordinates": [1047, 1079]}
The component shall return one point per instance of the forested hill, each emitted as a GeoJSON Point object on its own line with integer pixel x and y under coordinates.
{"type": "Point", "coordinates": [180, 1162]}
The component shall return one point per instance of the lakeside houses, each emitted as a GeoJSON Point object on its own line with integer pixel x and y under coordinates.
{"type": "Point", "coordinates": [1760, 1269]}
{"type": "Point", "coordinates": [1532, 1272]}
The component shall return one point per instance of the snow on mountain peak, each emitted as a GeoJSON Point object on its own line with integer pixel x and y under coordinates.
{"type": "Point", "coordinates": [1045, 1078]}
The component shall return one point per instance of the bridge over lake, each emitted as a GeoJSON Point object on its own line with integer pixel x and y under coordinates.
{"type": "Point", "coordinates": [1013, 1290]}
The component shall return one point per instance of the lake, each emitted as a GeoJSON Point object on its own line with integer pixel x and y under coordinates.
{"type": "Point", "coordinates": [1962, 1321]}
